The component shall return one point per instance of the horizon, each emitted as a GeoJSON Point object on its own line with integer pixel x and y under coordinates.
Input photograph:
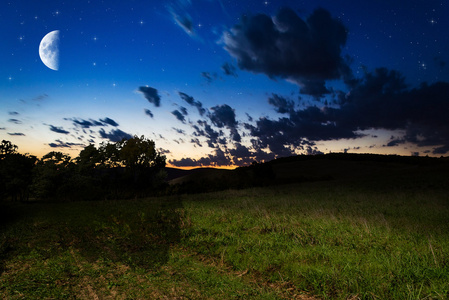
{"type": "Point", "coordinates": [221, 85]}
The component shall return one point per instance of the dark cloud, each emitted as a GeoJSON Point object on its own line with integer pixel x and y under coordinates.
{"type": "Point", "coordinates": [394, 142]}
{"type": "Point", "coordinates": [224, 116]}
{"type": "Point", "coordinates": [184, 162]}
{"type": "Point", "coordinates": [61, 144]}
{"type": "Point", "coordinates": [115, 135]}
{"type": "Point", "coordinates": [216, 160]}
{"type": "Point", "coordinates": [91, 123]}
{"type": "Point", "coordinates": [183, 110]}
{"type": "Point", "coordinates": [40, 97]}
{"type": "Point", "coordinates": [58, 129]}
{"type": "Point", "coordinates": [15, 121]}
{"type": "Point", "coordinates": [229, 69]}
{"type": "Point", "coordinates": [190, 100]}
{"type": "Point", "coordinates": [179, 115]}
{"type": "Point", "coordinates": [163, 151]}
{"type": "Point", "coordinates": [282, 105]}
{"type": "Point", "coordinates": [185, 22]}
{"type": "Point", "coordinates": [196, 141]}
{"type": "Point", "coordinates": [180, 131]}
{"type": "Point", "coordinates": [203, 129]}
{"type": "Point", "coordinates": [210, 77]}
{"type": "Point", "coordinates": [241, 155]}
{"type": "Point", "coordinates": [86, 123]}
{"type": "Point", "coordinates": [148, 113]}
{"type": "Point", "coordinates": [379, 100]}
{"type": "Point", "coordinates": [16, 133]}
{"type": "Point", "coordinates": [13, 113]}
{"type": "Point", "coordinates": [109, 121]}
{"type": "Point", "coordinates": [286, 46]}
{"type": "Point", "coordinates": [151, 94]}
{"type": "Point", "coordinates": [313, 151]}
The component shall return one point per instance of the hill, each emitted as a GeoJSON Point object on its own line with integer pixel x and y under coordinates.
{"type": "Point", "coordinates": [385, 169]}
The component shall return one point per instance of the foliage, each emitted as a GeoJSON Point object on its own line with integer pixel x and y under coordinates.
{"type": "Point", "coordinates": [15, 174]}
{"type": "Point", "coordinates": [126, 169]}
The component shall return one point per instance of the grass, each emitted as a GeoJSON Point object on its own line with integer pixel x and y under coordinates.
{"type": "Point", "coordinates": [330, 240]}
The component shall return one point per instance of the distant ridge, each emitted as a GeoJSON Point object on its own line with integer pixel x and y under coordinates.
{"type": "Point", "coordinates": [309, 168]}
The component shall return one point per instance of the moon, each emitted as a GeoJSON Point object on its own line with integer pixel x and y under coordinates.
{"type": "Point", "coordinates": [49, 50]}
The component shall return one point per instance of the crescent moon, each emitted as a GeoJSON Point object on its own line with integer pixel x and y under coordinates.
{"type": "Point", "coordinates": [49, 50]}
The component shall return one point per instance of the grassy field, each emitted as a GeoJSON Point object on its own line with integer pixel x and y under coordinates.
{"type": "Point", "coordinates": [386, 238]}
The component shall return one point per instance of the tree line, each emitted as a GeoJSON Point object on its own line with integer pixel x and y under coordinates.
{"type": "Point", "coordinates": [125, 169]}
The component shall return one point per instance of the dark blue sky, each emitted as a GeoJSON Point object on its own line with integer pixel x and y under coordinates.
{"type": "Point", "coordinates": [224, 83]}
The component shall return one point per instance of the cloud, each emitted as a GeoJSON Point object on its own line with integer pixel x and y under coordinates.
{"type": "Point", "coordinates": [229, 69]}
{"type": "Point", "coordinates": [13, 113]}
{"type": "Point", "coordinates": [85, 123]}
{"type": "Point", "coordinates": [15, 121]}
{"type": "Point", "coordinates": [16, 133]}
{"type": "Point", "coordinates": [109, 121]}
{"type": "Point", "coordinates": [151, 94]}
{"type": "Point", "coordinates": [61, 144]}
{"type": "Point", "coordinates": [90, 123]}
{"type": "Point", "coordinates": [179, 115]}
{"type": "Point", "coordinates": [211, 135]}
{"type": "Point", "coordinates": [210, 77]}
{"type": "Point", "coordinates": [379, 100]}
{"type": "Point", "coordinates": [185, 22]}
{"type": "Point", "coordinates": [40, 97]}
{"type": "Point", "coordinates": [216, 160]}
{"type": "Point", "coordinates": [190, 100]}
{"type": "Point", "coordinates": [58, 129]}
{"type": "Point", "coordinates": [115, 135]}
{"type": "Point", "coordinates": [283, 105]}
{"type": "Point", "coordinates": [196, 141]}
{"type": "Point", "coordinates": [307, 51]}
{"type": "Point", "coordinates": [163, 151]}
{"type": "Point", "coordinates": [180, 131]}
{"type": "Point", "coordinates": [224, 116]}
{"type": "Point", "coordinates": [148, 113]}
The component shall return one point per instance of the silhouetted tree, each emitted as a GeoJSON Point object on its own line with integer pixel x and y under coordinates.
{"type": "Point", "coordinates": [6, 148]}
{"type": "Point", "coordinates": [52, 175]}
{"type": "Point", "coordinates": [15, 172]}
{"type": "Point", "coordinates": [143, 163]}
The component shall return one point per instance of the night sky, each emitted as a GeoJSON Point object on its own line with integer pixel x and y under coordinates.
{"type": "Point", "coordinates": [224, 83]}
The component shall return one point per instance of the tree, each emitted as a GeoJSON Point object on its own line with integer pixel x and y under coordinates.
{"type": "Point", "coordinates": [15, 172]}
{"type": "Point", "coordinates": [143, 164]}
{"type": "Point", "coordinates": [52, 175]}
{"type": "Point", "coordinates": [6, 148]}
{"type": "Point", "coordinates": [140, 153]}
{"type": "Point", "coordinates": [88, 159]}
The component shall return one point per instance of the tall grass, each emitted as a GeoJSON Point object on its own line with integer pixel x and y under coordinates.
{"type": "Point", "coordinates": [331, 240]}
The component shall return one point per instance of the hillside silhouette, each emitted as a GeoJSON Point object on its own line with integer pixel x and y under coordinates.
{"type": "Point", "coordinates": [369, 169]}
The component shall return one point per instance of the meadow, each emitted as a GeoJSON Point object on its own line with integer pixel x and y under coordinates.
{"type": "Point", "coordinates": [378, 234]}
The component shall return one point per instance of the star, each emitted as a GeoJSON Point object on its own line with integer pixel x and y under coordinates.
{"type": "Point", "coordinates": [141, 22]}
